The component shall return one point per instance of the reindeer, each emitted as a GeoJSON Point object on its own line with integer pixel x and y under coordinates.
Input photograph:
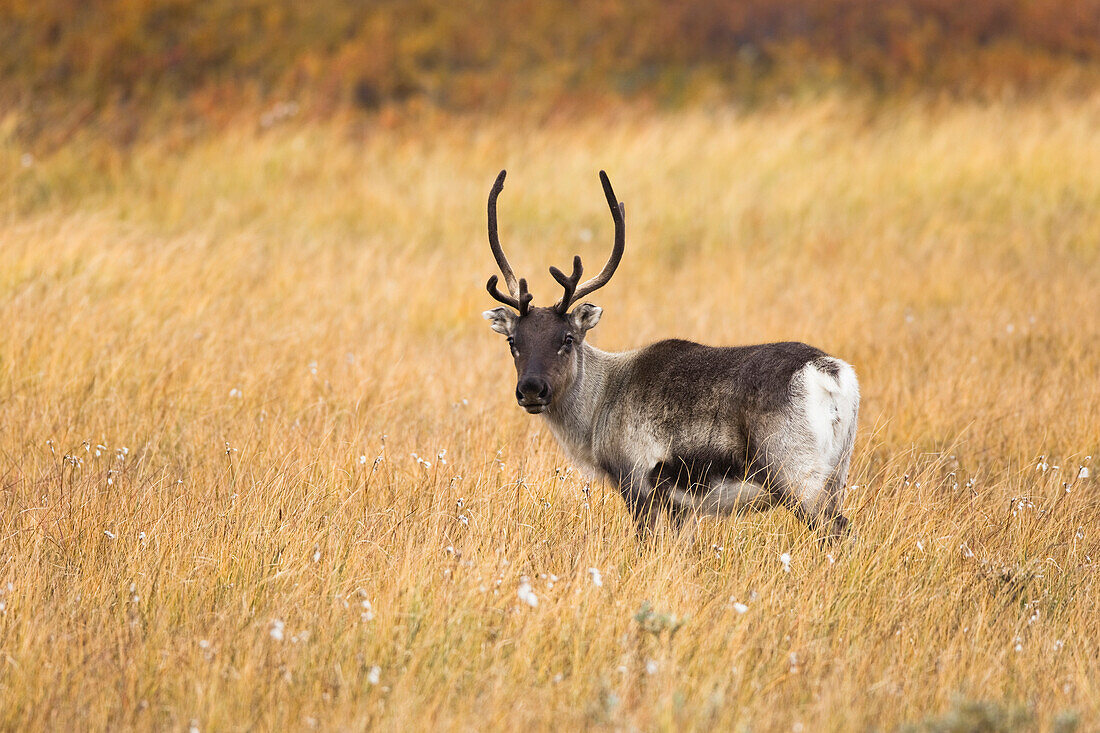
{"type": "Point", "coordinates": [682, 429]}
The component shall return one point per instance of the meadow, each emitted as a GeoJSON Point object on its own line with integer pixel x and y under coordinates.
{"type": "Point", "coordinates": [261, 466]}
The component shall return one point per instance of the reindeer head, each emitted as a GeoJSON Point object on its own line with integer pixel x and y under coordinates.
{"type": "Point", "coordinates": [545, 341]}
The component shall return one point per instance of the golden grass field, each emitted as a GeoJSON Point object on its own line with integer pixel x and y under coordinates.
{"type": "Point", "coordinates": [220, 356]}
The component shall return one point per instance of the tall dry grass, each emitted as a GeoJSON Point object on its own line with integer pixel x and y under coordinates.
{"type": "Point", "coordinates": [217, 361]}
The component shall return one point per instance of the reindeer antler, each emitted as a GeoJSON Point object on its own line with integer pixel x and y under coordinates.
{"type": "Point", "coordinates": [520, 299]}
{"type": "Point", "coordinates": [573, 292]}
{"type": "Point", "coordinates": [569, 283]}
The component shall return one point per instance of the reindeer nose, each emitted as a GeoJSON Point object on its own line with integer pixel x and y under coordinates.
{"type": "Point", "coordinates": [533, 389]}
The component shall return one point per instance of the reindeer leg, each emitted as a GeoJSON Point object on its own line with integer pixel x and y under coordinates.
{"type": "Point", "coordinates": [820, 503]}
{"type": "Point", "coordinates": [647, 495]}
{"type": "Point", "coordinates": [823, 517]}
{"type": "Point", "coordinates": [835, 525]}
{"type": "Point", "coordinates": [641, 499]}
{"type": "Point", "coordinates": [685, 521]}
{"type": "Point", "coordinates": [813, 503]}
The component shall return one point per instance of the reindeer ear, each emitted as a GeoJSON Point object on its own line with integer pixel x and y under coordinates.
{"type": "Point", "coordinates": [585, 316]}
{"type": "Point", "coordinates": [501, 320]}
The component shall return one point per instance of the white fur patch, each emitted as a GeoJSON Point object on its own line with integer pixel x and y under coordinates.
{"type": "Point", "coordinates": [830, 405]}
{"type": "Point", "coordinates": [585, 316]}
{"type": "Point", "coordinates": [723, 497]}
{"type": "Point", "coordinates": [501, 320]}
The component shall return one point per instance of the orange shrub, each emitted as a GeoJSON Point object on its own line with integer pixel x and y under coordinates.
{"type": "Point", "coordinates": [65, 54]}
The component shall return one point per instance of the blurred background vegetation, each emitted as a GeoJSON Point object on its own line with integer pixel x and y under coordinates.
{"type": "Point", "coordinates": [127, 65]}
{"type": "Point", "coordinates": [244, 384]}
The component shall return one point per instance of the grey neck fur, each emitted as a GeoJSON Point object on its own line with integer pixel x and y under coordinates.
{"type": "Point", "coordinates": [572, 418]}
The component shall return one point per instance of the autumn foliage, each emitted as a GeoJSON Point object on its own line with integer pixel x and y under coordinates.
{"type": "Point", "coordinates": [68, 60]}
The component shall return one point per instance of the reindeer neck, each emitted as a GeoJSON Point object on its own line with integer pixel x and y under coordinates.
{"type": "Point", "coordinates": [573, 417]}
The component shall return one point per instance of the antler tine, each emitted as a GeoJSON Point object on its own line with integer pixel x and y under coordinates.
{"type": "Point", "coordinates": [491, 286]}
{"type": "Point", "coordinates": [494, 241]}
{"type": "Point", "coordinates": [618, 213]}
{"type": "Point", "coordinates": [521, 302]}
{"type": "Point", "coordinates": [524, 296]}
{"type": "Point", "coordinates": [569, 283]}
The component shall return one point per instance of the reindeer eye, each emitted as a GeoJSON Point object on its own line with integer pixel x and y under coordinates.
{"type": "Point", "coordinates": [567, 342]}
